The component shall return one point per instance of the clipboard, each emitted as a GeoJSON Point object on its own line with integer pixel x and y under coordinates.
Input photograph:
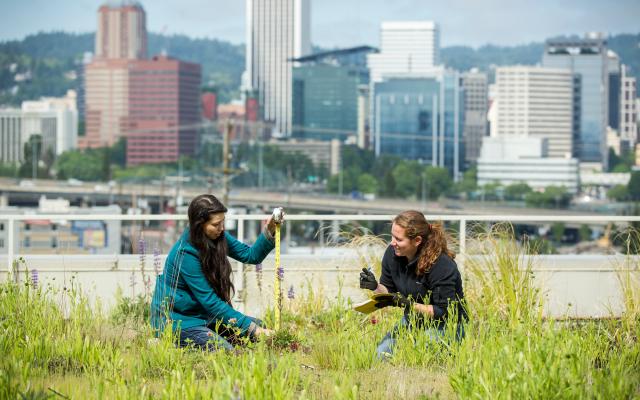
{"type": "Point", "coordinates": [369, 306]}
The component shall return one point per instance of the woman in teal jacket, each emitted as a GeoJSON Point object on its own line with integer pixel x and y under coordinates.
{"type": "Point", "coordinates": [194, 291]}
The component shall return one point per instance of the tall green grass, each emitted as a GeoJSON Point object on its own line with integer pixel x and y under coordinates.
{"type": "Point", "coordinates": [54, 344]}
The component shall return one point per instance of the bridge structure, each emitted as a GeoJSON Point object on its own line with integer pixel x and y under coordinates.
{"type": "Point", "coordinates": [156, 194]}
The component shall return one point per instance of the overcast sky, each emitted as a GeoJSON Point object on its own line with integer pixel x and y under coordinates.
{"type": "Point", "coordinates": [342, 23]}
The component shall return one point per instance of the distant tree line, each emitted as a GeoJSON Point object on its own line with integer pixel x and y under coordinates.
{"type": "Point", "coordinates": [54, 60]}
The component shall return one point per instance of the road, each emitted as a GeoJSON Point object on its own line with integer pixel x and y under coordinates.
{"type": "Point", "coordinates": [103, 193]}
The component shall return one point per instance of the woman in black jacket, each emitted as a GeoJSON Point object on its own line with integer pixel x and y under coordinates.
{"type": "Point", "coordinates": [419, 270]}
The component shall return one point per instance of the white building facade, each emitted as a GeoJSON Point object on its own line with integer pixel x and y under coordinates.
{"type": "Point", "coordinates": [536, 102]}
{"type": "Point", "coordinates": [54, 119]}
{"type": "Point", "coordinates": [276, 32]}
{"type": "Point", "coordinates": [405, 47]}
{"type": "Point", "coordinates": [521, 159]}
{"type": "Point", "coordinates": [10, 136]}
{"type": "Point", "coordinates": [628, 110]}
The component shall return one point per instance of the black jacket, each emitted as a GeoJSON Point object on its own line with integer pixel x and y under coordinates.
{"type": "Point", "coordinates": [439, 287]}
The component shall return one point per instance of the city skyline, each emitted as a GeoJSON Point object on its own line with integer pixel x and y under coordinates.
{"type": "Point", "coordinates": [355, 22]}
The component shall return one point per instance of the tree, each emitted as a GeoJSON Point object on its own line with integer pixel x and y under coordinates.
{"type": "Point", "coordinates": [634, 186]}
{"type": "Point", "coordinates": [79, 165]}
{"type": "Point", "coordinates": [618, 193]}
{"type": "Point", "coordinates": [469, 182]}
{"type": "Point", "coordinates": [367, 183]}
{"type": "Point", "coordinates": [437, 181]}
{"type": "Point", "coordinates": [407, 178]}
{"type": "Point", "coordinates": [490, 191]}
{"type": "Point", "coordinates": [33, 163]}
{"type": "Point", "coordinates": [517, 191]}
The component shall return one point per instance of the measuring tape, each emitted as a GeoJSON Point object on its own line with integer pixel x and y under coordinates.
{"type": "Point", "coordinates": [276, 287]}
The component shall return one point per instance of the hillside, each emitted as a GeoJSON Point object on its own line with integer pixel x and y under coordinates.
{"type": "Point", "coordinates": [47, 64]}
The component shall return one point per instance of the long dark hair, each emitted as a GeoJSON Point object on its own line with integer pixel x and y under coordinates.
{"type": "Point", "coordinates": [434, 238]}
{"type": "Point", "coordinates": [213, 253]}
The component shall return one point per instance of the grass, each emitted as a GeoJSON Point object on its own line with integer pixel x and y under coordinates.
{"type": "Point", "coordinates": [54, 345]}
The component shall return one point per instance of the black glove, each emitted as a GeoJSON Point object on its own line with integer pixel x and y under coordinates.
{"type": "Point", "coordinates": [368, 280]}
{"type": "Point", "coordinates": [401, 301]}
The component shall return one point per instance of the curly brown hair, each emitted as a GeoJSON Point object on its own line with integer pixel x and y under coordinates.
{"type": "Point", "coordinates": [434, 238]}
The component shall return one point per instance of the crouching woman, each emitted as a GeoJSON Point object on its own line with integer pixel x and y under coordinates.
{"type": "Point", "coordinates": [194, 292]}
{"type": "Point", "coordinates": [418, 268]}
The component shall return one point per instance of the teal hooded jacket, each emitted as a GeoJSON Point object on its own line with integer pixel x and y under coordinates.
{"type": "Point", "coordinates": [184, 295]}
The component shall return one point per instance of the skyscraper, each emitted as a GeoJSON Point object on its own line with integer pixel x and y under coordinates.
{"type": "Point", "coordinates": [476, 105]}
{"type": "Point", "coordinates": [536, 102]}
{"type": "Point", "coordinates": [122, 31]}
{"type": "Point", "coordinates": [405, 47]}
{"type": "Point", "coordinates": [420, 118]}
{"type": "Point", "coordinates": [155, 103]}
{"type": "Point", "coordinates": [587, 60]}
{"type": "Point", "coordinates": [628, 112]}
{"type": "Point", "coordinates": [326, 91]}
{"type": "Point", "coordinates": [277, 31]}
{"type": "Point", "coordinates": [164, 110]}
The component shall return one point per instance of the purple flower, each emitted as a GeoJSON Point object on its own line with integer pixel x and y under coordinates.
{"type": "Point", "coordinates": [141, 244]}
{"type": "Point", "coordinates": [156, 260]}
{"type": "Point", "coordinates": [280, 273]}
{"type": "Point", "coordinates": [291, 294]}
{"type": "Point", "coordinates": [141, 248]}
{"type": "Point", "coordinates": [258, 268]}
{"type": "Point", "coordinates": [34, 278]}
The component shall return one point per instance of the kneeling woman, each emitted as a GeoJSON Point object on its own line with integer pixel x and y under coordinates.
{"type": "Point", "coordinates": [194, 291]}
{"type": "Point", "coordinates": [419, 269]}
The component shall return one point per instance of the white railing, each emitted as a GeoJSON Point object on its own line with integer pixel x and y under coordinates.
{"type": "Point", "coordinates": [587, 284]}
{"type": "Point", "coordinates": [241, 218]}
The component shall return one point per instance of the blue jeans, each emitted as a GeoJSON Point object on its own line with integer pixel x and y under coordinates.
{"type": "Point", "coordinates": [209, 339]}
{"type": "Point", "coordinates": [434, 334]}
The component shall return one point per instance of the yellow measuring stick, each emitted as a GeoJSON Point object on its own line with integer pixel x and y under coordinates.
{"type": "Point", "coordinates": [276, 284]}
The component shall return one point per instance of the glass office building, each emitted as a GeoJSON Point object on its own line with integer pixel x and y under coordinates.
{"type": "Point", "coordinates": [587, 58]}
{"type": "Point", "coordinates": [326, 87]}
{"type": "Point", "coordinates": [420, 118]}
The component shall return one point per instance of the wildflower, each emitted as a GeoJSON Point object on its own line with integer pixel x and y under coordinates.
{"type": "Point", "coordinates": [258, 268]}
{"type": "Point", "coordinates": [291, 294]}
{"type": "Point", "coordinates": [280, 273]}
{"type": "Point", "coordinates": [141, 249]}
{"type": "Point", "coordinates": [156, 260]}
{"type": "Point", "coordinates": [373, 320]}
{"type": "Point", "coordinates": [34, 278]}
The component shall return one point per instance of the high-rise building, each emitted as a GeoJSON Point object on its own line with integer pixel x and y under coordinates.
{"type": "Point", "coordinates": [420, 118]}
{"type": "Point", "coordinates": [326, 90]}
{"type": "Point", "coordinates": [613, 67]}
{"type": "Point", "coordinates": [277, 31]}
{"type": "Point", "coordinates": [628, 111]}
{"type": "Point", "coordinates": [536, 102]}
{"type": "Point", "coordinates": [106, 102]}
{"type": "Point", "coordinates": [475, 85]}
{"type": "Point", "coordinates": [406, 47]}
{"type": "Point", "coordinates": [122, 31]}
{"type": "Point", "coordinates": [163, 110]}
{"type": "Point", "coordinates": [587, 60]}
{"type": "Point", "coordinates": [154, 103]}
